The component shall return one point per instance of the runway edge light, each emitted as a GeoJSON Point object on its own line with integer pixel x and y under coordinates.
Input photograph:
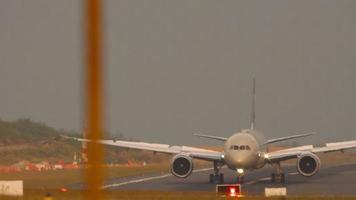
{"type": "Point", "coordinates": [232, 190]}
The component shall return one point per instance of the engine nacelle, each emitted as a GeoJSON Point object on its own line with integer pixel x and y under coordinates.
{"type": "Point", "coordinates": [181, 165]}
{"type": "Point", "coordinates": [308, 164]}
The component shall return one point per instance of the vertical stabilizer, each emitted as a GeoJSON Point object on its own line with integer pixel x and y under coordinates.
{"type": "Point", "coordinates": [253, 115]}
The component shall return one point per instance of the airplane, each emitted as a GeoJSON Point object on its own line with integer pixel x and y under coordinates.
{"type": "Point", "coordinates": [243, 151]}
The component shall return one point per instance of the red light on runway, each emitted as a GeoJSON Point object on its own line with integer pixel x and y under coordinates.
{"type": "Point", "coordinates": [232, 192]}
{"type": "Point", "coordinates": [229, 190]}
{"type": "Point", "coordinates": [63, 189]}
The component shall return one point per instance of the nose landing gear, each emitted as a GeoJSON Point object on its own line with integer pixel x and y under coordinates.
{"type": "Point", "coordinates": [216, 177]}
{"type": "Point", "coordinates": [240, 176]}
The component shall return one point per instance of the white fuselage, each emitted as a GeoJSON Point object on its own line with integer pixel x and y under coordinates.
{"type": "Point", "coordinates": [242, 151]}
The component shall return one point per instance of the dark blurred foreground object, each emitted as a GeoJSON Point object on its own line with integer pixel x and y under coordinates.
{"type": "Point", "coordinates": [48, 196]}
{"type": "Point", "coordinates": [94, 88]}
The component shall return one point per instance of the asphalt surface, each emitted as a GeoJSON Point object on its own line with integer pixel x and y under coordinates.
{"type": "Point", "coordinates": [331, 180]}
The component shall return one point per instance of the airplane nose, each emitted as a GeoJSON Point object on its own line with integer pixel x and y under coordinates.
{"type": "Point", "coordinates": [239, 163]}
{"type": "Point", "coordinates": [242, 160]}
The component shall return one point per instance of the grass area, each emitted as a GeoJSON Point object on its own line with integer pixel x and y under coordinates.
{"type": "Point", "coordinates": [51, 180]}
{"type": "Point", "coordinates": [26, 140]}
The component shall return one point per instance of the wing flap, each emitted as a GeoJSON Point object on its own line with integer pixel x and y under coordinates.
{"type": "Point", "coordinates": [290, 153]}
{"type": "Point", "coordinates": [198, 153]}
{"type": "Point", "coordinates": [336, 146]}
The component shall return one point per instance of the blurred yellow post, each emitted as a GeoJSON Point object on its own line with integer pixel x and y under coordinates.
{"type": "Point", "coordinates": [94, 176]}
{"type": "Point", "coordinates": [48, 197]}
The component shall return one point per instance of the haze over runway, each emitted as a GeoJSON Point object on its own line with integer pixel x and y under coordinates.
{"type": "Point", "coordinates": [179, 67]}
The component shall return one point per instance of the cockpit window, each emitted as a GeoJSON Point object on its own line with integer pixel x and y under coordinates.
{"type": "Point", "coordinates": [242, 147]}
{"type": "Point", "coordinates": [234, 147]}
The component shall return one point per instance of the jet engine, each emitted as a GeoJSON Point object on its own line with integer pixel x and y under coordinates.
{"type": "Point", "coordinates": [308, 164]}
{"type": "Point", "coordinates": [181, 165]}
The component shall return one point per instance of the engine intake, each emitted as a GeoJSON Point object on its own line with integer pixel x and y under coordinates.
{"type": "Point", "coordinates": [308, 164]}
{"type": "Point", "coordinates": [181, 166]}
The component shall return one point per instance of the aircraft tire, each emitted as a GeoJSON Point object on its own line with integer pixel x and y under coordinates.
{"type": "Point", "coordinates": [221, 178]}
{"type": "Point", "coordinates": [273, 177]}
{"type": "Point", "coordinates": [283, 178]}
{"type": "Point", "coordinates": [211, 178]}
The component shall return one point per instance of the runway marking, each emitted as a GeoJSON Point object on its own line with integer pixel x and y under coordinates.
{"type": "Point", "coordinates": [169, 175]}
{"type": "Point", "coordinates": [148, 179]}
{"type": "Point", "coordinates": [258, 180]}
{"type": "Point", "coordinates": [267, 178]}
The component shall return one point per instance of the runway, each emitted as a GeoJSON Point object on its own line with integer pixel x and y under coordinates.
{"type": "Point", "coordinates": [330, 180]}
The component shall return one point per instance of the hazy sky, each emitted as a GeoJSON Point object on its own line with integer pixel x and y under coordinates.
{"type": "Point", "coordinates": [174, 68]}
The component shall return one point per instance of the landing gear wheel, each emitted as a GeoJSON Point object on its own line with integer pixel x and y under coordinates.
{"type": "Point", "coordinates": [221, 178]}
{"type": "Point", "coordinates": [273, 177]}
{"type": "Point", "coordinates": [211, 178]}
{"type": "Point", "coordinates": [278, 177]}
{"type": "Point", "coordinates": [216, 177]}
{"type": "Point", "coordinates": [283, 178]}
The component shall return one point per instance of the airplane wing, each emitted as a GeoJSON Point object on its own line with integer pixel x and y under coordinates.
{"type": "Point", "coordinates": [198, 153]}
{"type": "Point", "coordinates": [290, 153]}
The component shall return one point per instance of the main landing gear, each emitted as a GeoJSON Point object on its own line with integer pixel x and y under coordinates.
{"type": "Point", "coordinates": [279, 175]}
{"type": "Point", "coordinates": [216, 177]}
